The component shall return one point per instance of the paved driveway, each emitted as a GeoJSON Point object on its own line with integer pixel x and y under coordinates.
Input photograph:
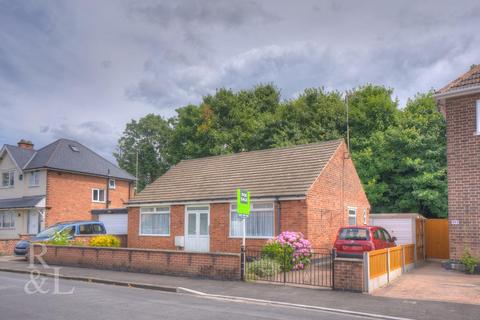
{"type": "Point", "coordinates": [432, 282]}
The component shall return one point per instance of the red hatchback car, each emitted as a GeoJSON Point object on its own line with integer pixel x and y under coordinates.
{"type": "Point", "coordinates": [352, 242]}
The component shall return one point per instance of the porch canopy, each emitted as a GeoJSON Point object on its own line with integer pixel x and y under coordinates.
{"type": "Point", "coordinates": [23, 203]}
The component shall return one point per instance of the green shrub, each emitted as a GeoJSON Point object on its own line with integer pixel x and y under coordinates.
{"type": "Point", "coordinates": [469, 261]}
{"type": "Point", "coordinates": [262, 268]}
{"type": "Point", "coordinates": [105, 241]}
{"type": "Point", "coordinates": [60, 238]}
{"type": "Point", "coordinates": [282, 254]}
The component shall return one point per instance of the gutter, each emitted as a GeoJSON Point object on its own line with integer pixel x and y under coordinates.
{"type": "Point", "coordinates": [456, 93]}
{"type": "Point", "coordinates": [212, 200]}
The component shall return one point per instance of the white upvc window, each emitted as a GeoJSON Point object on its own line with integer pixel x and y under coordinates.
{"type": "Point", "coordinates": [34, 179]}
{"type": "Point", "coordinates": [7, 220]}
{"type": "Point", "coordinates": [112, 184]}
{"type": "Point", "coordinates": [259, 224]}
{"type": "Point", "coordinates": [8, 179]}
{"type": "Point", "coordinates": [352, 216]}
{"type": "Point", "coordinates": [155, 221]}
{"type": "Point", "coordinates": [98, 195]}
{"type": "Point", "coordinates": [365, 216]}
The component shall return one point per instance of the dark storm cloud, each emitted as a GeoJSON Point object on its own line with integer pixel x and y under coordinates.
{"type": "Point", "coordinates": [82, 69]}
{"type": "Point", "coordinates": [201, 13]}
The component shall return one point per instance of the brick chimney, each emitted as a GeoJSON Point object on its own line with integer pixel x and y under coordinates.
{"type": "Point", "coordinates": [25, 144]}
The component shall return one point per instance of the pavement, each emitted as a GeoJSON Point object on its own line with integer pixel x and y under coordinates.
{"type": "Point", "coordinates": [266, 293]}
{"type": "Point", "coordinates": [431, 282]}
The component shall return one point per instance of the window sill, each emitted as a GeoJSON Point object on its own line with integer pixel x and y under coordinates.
{"type": "Point", "coordinates": [252, 238]}
{"type": "Point", "coordinates": [7, 187]}
{"type": "Point", "coordinates": [153, 235]}
{"type": "Point", "coordinates": [35, 186]}
{"type": "Point", "coordinates": [98, 202]}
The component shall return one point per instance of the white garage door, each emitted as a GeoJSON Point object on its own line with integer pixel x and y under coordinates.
{"type": "Point", "coordinates": [115, 223]}
{"type": "Point", "coordinates": [399, 228]}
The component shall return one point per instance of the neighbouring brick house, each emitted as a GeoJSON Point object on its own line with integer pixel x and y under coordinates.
{"type": "Point", "coordinates": [313, 189]}
{"type": "Point", "coordinates": [460, 103]}
{"type": "Point", "coordinates": [62, 181]}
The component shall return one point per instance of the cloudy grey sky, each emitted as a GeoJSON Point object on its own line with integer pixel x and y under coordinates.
{"type": "Point", "coordinates": [82, 69]}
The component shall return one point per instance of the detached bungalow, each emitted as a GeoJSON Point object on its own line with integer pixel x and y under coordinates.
{"type": "Point", "coordinates": [313, 189]}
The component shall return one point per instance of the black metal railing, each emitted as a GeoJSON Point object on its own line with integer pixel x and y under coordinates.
{"type": "Point", "coordinates": [315, 269]}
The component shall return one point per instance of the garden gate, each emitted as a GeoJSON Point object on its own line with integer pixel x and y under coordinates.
{"type": "Point", "coordinates": [280, 267]}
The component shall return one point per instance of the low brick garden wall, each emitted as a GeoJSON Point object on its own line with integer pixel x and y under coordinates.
{"type": "Point", "coordinates": [7, 245]}
{"type": "Point", "coordinates": [223, 266]}
{"type": "Point", "coordinates": [348, 275]}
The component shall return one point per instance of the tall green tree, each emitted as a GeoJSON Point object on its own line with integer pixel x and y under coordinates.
{"type": "Point", "coordinates": [316, 115]}
{"type": "Point", "coordinates": [148, 138]}
{"type": "Point", "coordinates": [403, 167]}
{"type": "Point", "coordinates": [225, 122]}
{"type": "Point", "coordinates": [371, 109]}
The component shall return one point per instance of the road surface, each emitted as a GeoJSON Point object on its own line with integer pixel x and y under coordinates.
{"type": "Point", "coordinates": [99, 301]}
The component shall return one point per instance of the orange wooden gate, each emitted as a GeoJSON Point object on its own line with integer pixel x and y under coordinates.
{"type": "Point", "coordinates": [436, 236]}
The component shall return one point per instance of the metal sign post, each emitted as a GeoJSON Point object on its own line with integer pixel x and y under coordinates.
{"type": "Point", "coordinates": [243, 211]}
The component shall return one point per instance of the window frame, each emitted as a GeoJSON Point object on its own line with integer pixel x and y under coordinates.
{"type": "Point", "coordinates": [98, 192]}
{"type": "Point", "coordinates": [155, 211]}
{"type": "Point", "coordinates": [365, 216]}
{"type": "Point", "coordinates": [110, 184]}
{"type": "Point", "coordinates": [354, 209]}
{"type": "Point", "coordinates": [11, 179]}
{"type": "Point", "coordinates": [36, 179]}
{"type": "Point", "coordinates": [12, 220]}
{"type": "Point", "coordinates": [251, 209]}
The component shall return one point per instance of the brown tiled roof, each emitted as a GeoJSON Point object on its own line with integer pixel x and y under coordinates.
{"type": "Point", "coordinates": [286, 171]}
{"type": "Point", "coordinates": [468, 79]}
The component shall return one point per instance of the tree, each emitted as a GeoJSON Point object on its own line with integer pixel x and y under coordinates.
{"type": "Point", "coordinates": [403, 167]}
{"type": "Point", "coordinates": [224, 123]}
{"type": "Point", "coordinates": [316, 115]}
{"type": "Point", "coordinates": [371, 109]}
{"type": "Point", "coordinates": [149, 138]}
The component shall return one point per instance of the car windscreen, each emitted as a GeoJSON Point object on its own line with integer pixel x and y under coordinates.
{"type": "Point", "coordinates": [47, 233]}
{"type": "Point", "coordinates": [354, 234]}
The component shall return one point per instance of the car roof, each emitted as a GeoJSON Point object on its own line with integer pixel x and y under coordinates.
{"type": "Point", "coordinates": [79, 222]}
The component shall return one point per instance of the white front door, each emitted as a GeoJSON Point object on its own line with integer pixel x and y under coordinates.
{"type": "Point", "coordinates": [33, 222]}
{"type": "Point", "coordinates": [197, 222]}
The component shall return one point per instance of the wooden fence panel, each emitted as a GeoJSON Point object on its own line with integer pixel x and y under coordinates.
{"type": "Point", "coordinates": [378, 263]}
{"type": "Point", "coordinates": [409, 251]}
{"type": "Point", "coordinates": [395, 258]}
{"type": "Point", "coordinates": [437, 239]}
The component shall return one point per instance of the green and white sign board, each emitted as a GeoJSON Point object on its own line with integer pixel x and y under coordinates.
{"type": "Point", "coordinates": [243, 202]}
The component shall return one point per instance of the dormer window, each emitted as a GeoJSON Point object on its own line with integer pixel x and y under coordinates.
{"type": "Point", "coordinates": [8, 179]}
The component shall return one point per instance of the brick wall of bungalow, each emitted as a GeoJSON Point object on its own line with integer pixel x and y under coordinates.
{"type": "Point", "coordinates": [463, 157]}
{"type": "Point", "coordinates": [318, 216]}
{"type": "Point", "coordinates": [69, 196]}
{"type": "Point", "coordinates": [329, 199]}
